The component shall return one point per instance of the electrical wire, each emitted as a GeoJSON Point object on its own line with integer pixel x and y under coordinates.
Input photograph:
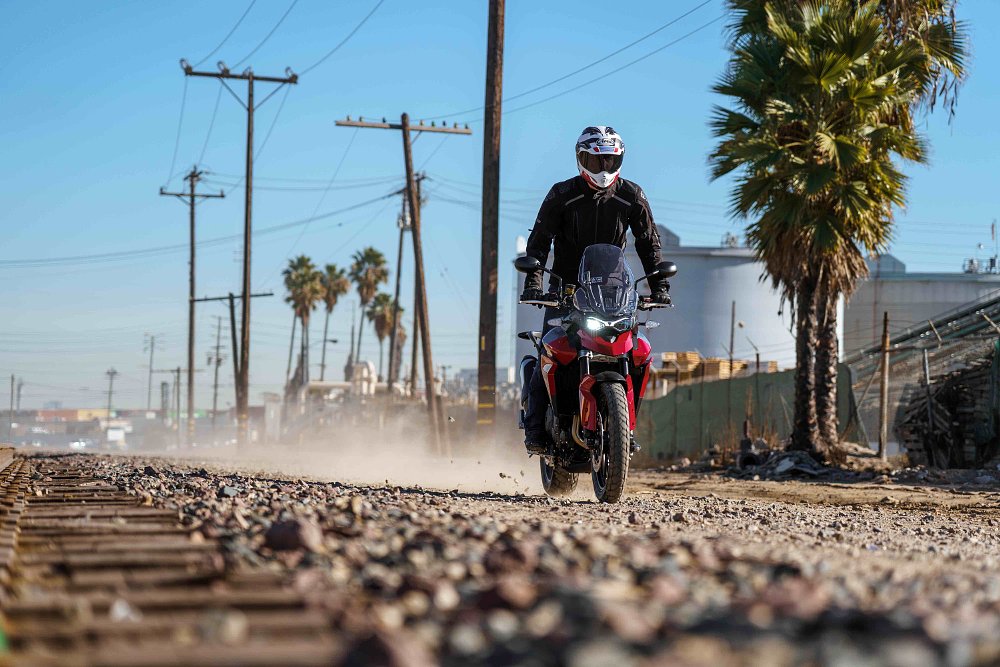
{"type": "Point", "coordinates": [211, 124]}
{"type": "Point", "coordinates": [159, 250]}
{"type": "Point", "coordinates": [228, 35]}
{"type": "Point", "coordinates": [260, 149]}
{"type": "Point", "coordinates": [343, 41]}
{"type": "Point", "coordinates": [616, 70]}
{"type": "Point", "coordinates": [433, 152]}
{"type": "Point", "coordinates": [585, 67]}
{"type": "Point", "coordinates": [268, 36]}
{"type": "Point", "coordinates": [177, 140]}
{"type": "Point", "coordinates": [322, 198]}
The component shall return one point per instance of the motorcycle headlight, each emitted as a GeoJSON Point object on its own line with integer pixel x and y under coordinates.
{"type": "Point", "coordinates": [595, 324]}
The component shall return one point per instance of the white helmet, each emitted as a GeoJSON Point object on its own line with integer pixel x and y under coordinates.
{"type": "Point", "coordinates": [599, 155]}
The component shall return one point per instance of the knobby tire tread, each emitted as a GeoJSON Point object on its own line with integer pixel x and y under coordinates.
{"type": "Point", "coordinates": [613, 403]}
{"type": "Point", "coordinates": [563, 482]}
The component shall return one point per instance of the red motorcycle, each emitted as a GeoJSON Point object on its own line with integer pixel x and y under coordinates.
{"type": "Point", "coordinates": [595, 364]}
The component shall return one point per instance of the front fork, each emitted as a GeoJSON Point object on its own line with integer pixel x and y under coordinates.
{"type": "Point", "coordinates": [588, 404]}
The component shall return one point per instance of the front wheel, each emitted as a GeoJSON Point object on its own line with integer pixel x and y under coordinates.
{"type": "Point", "coordinates": [610, 464]}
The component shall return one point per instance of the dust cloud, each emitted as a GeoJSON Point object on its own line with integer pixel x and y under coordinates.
{"type": "Point", "coordinates": [394, 455]}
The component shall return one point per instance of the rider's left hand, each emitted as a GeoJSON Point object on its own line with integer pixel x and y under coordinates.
{"type": "Point", "coordinates": [661, 295]}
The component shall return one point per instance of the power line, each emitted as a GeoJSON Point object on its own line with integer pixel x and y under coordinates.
{"type": "Point", "coordinates": [157, 250]}
{"type": "Point", "coordinates": [211, 124]}
{"type": "Point", "coordinates": [619, 69]}
{"type": "Point", "coordinates": [267, 136]}
{"type": "Point", "coordinates": [228, 35]}
{"type": "Point", "coordinates": [343, 41]}
{"type": "Point", "coordinates": [268, 36]}
{"type": "Point", "coordinates": [322, 198]}
{"type": "Point", "coordinates": [585, 67]}
{"type": "Point", "coordinates": [177, 140]}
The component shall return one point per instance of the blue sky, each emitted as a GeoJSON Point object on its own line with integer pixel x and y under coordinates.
{"type": "Point", "coordinates": [91, 96]}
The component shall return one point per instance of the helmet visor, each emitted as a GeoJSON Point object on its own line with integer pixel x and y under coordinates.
{"type": "Point", "coordinates": [598, 163]}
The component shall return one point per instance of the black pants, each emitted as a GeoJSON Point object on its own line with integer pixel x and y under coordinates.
{"type": "Point", "coordinates": [538, 398]}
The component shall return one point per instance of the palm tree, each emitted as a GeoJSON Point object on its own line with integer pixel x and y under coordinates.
{"type": "Point", "coordinates": [335, 285]}
{"type": "Point", "coordinates": [304, 286]}
{"type": "Point", "coordinates": [380, 313]}
{"type": "Point", "coordinates": [368, 271]}
{"type": "Point", "coordinates": [823, 98]}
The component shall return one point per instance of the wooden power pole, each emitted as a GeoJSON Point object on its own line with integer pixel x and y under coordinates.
{"type": "Point", "coordinates": [413, 203]}
{"type": "Point", "coordinates": [241, 395]}
{"type": "Point", "coordinates": [243, 382]}
{"type": "Point", "coordinates": [487, 373]}
{"type": "Point", "coordinates": [192, 198]}
{"type": "Point", "coordinates": [883, 393]}
{"type": "Point", "coordinates": [216, 361]}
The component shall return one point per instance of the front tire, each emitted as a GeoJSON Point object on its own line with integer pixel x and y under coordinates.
{"type": "Point", "coordinates": [611, 470]}
{"type": "Point", "coordinates": [557, 481]}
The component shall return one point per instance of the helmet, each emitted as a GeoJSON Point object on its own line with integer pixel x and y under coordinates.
{"type": "Point", "coordinates": [599, 155]}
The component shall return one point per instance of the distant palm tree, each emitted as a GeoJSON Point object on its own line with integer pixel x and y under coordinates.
{"type": "Point", "coordinates": [823, 98]}
{"type": "Point", "coordinates": [368, 271]}
{"type": "Point", "coordinates": [380, 313]}
{"type": "Point", "coordinates": [304, 287]}
{"type": "Point", "coordinates": [335, 285]}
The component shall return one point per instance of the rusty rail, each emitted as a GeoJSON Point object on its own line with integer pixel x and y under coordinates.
{"type": "Point", "coordinates": [90, 577]}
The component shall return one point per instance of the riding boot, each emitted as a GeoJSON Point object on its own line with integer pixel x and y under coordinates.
{"type": "Point", "coordinates": [536, 441]}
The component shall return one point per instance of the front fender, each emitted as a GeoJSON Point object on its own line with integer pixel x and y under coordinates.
{"type": "Point", "coordinates": [588, 404]}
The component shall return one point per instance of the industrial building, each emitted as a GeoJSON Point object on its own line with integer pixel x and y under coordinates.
{"type": "Point", "coordinates": [910, 299]}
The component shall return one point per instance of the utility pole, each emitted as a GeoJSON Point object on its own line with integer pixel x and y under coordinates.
{"type": "Point", "coordinates": [238, 371]}
{"type": "Point", "coordinates": [883, 392]}
{"type": "Point", "coordinates": [10, 423]}
{"type": "Point", "coordinates": [243, 384]}
{"type": "Point", "coordinates": [413, 204]}
{"type": "Point", "coordinates": [729, 383]}
{"type": "Point", "coordinates": [149, 343]}
{"type": "Point", "coordinates": [192, 198]}
{"type": "Point", "coordinates": [217, 361]}
{"type": "Point", "coordinates": [349, 375]}
{"type": "Point", "coordinates": [111, 373]}
{"type": "Point", "coordinates": [487, 372]}
{"type": "Point", "coordinates": [20, 386]}
{"type": "Point", "coordinates": [322, 365]}
{"type": "Point", "coordinates": [415, 346]}
{"type": "Point", "coordinates": [404, 226]}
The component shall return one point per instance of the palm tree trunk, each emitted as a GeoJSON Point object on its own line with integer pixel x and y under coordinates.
{"type": "Point", "coordinates": [804, 430]}
{"type": "Point", "coordinates": [361, 328]}
{"type": "Point", "coordinates": [305, 350]}
{"type": "Point", "coordinates": [291, 346]}
{"type": "Point", "coordinates": [826, 372]}
{"type": "Point", "coordinates": [322, 362]}
{"type": "Point", "coordinates": [381, 348]}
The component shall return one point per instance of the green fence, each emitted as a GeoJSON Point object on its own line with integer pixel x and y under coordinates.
{"type": "Point", "coordinates": [693, 417]}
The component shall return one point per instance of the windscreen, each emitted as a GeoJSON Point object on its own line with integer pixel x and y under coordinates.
{"type": "Point", "coordinates": [605, 282]}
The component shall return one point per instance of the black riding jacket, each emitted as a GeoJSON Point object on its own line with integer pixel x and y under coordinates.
{"type": "Point", "coordinates": [576, 216]}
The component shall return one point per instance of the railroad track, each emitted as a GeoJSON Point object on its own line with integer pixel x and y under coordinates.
{"type": "Point", "coordinates": [89, 576]}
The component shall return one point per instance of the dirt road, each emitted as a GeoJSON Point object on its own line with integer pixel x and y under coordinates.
{"type": "Point", "coordinates": [691, 569]}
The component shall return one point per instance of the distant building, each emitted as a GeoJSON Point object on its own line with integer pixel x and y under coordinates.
{"type": "Point", "coordinates": [910, 298]}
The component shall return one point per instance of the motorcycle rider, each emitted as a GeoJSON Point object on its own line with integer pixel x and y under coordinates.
{"type": "Point", "coordinates": [597, 206]}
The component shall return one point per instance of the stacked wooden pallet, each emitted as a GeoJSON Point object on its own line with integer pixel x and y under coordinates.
{"type": "Point", "coordinates": [957, 430]}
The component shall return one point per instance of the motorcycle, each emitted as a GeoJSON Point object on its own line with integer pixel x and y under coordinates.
{"type": "Point", "coordinates": [595, 364]}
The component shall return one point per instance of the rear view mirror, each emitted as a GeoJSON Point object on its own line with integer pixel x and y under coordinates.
{"type": "Point", "coordinates": [665, 269]}
{"type": "Point", "coordinates": [527, 264]}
